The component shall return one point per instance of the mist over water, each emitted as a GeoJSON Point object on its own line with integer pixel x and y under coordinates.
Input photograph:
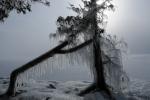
{"type": "Point", "coordinates": [72, 73]}
{"type": "Point", "coordinates": [136, 66]}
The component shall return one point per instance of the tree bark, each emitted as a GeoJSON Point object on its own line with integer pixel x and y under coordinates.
{"type": "Point", "coordinates": [89, 89]}
{"type": "Point", "coordinates": [11, 89]}
{"type": "Point", "coordinates": [98, 62]}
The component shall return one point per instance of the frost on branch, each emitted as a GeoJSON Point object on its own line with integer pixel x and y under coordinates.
{"type": "Point", "coordinates": [115, 75]}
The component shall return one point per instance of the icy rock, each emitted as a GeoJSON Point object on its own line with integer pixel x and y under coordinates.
{"type": "Point", "coordinates": [51, 86]}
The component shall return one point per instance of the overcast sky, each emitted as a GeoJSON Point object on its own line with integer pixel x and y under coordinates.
{"type": "Point", "coordinates": [24, 37]}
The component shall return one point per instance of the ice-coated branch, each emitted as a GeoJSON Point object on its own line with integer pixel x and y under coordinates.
{"type": "Point", "coordinates": [57, 50]}
{"type": "Point", "coordinates": [108, 59]}
{"type": "Point", "coordinates": [62, 51]}
{"type": "Point", "coordinates": [16, 72]}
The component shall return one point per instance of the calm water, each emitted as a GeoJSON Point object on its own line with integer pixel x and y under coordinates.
{"type": "Point", "coordinates": [137, 66]}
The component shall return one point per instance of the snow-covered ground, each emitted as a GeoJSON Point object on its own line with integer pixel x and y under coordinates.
{"type": "Point", "coordinates": [53, 90]}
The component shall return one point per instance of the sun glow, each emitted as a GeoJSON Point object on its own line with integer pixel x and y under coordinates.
{"type": "Point", "coordinates": [112, 16]}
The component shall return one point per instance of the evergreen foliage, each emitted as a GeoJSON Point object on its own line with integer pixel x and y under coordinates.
{"type": "Point", "coordinates": [21, 6]}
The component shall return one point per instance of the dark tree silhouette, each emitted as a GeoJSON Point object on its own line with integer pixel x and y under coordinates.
{"type": "Point", "coordinates": [88, 22]}
{"type": "Point", "coordinates": [21, 6]}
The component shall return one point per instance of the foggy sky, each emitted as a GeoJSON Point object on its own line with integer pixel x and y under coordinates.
{"type": "Point", "coordinates": [24, 37]}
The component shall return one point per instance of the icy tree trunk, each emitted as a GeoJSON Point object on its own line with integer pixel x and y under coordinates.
{"type": "Point", "coordinates": [98, 68]}
{"type": "Point", "coordinates": [98, 63]}
{"type": "Point", "coordinates": [15, 73]}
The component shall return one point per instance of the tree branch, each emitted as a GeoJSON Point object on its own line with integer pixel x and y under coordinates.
{"type": "Point", "coordinates": [109, 59]}
{"type": "Point", "coordinates": [11, 88]}
{"type": "Point", "coordinates": [75, 48]}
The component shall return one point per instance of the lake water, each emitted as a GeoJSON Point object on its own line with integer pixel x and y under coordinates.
{"type": "Point", "coordinates": [136, 66]}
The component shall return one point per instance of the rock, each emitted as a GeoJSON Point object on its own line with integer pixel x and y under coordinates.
{"type": "Point", "coordinates": [48, 98]}
{"type": "Point", "coordinates": [51, 86]}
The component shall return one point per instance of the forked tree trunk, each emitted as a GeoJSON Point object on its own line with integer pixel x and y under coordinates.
{"type": "Point", "coordinates": [98, 62]}
{"type": "Point", "coordinates": [98, 67]}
